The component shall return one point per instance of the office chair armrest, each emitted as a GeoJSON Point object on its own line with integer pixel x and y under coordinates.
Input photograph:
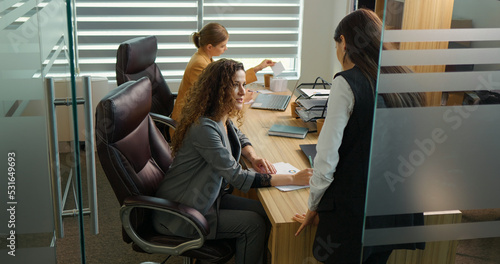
{"type": "Point", "coordinates": [190, 215]}
{"type": "Point", "coordinates": [163, 119]}
{"type": "Point", "coordinates": [165, 205]}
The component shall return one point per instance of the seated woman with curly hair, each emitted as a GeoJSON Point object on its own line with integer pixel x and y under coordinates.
{"type": "Point", "coordinates": [207, 146]}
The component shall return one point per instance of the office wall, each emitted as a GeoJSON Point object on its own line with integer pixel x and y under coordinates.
{"type": "Point", "coordinates": [318, 56]}
{"type": "Point", "coordinates": [484, 14]}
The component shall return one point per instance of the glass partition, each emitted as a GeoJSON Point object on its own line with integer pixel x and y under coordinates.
{"type": "Point", "coordinates": [440, 160]}
{"type": "Point", "coordinates": [34, 45]}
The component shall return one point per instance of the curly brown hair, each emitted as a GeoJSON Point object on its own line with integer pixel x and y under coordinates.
{"type": "Point", "coordinates": [211, 96]}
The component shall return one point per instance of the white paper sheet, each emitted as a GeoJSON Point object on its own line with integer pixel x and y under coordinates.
{"type": "Point", "coordinates": [264, 91]}
{"type": "Point", "coordinates": [278, 68]}
{"type": "Point", "coordinates": [286, 168]}
{"type": "Point", "coordinates": [316, 92]}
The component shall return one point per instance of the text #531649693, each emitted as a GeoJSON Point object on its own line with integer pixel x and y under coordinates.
{"type": "Point", "coordinates": [11, 203]}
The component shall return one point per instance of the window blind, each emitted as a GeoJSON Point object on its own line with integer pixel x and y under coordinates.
{"type": "Point", "coordinates": [103, 25]}
{"type": "Point", "coordinates": [258, 29]}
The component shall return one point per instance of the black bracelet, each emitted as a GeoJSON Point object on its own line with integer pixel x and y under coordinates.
{"type": "Point", "coordinates": [262, 180]}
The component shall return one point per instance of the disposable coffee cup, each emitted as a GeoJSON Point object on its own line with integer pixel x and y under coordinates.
{"type": "Point", "coordinates": [267, 80]}
{"type": "Point", "coordinates": [293, 107]}
{"type": "Point", "coordinates": [319, 124]}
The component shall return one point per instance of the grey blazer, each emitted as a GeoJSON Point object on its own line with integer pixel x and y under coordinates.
{"type": "Point", "coordinates": [206, 157]}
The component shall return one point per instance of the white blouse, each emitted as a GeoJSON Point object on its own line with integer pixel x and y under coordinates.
{"type": "Point", "coordinates": [340, 105]}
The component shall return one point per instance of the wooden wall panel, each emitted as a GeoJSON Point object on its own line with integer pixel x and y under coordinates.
{"type": "Point", "coordinates": [423, 14]}
{"type": "Point", "coordinates": [428, 14]}
{"type": "Point", "coordinates": [442, 252]}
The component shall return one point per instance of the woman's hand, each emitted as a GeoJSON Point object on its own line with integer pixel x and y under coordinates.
{"type": "Point", "coordinates": [264, 64]}
{"type": "Point", "coordinates": [248, 96]}
{"type": "Point", "coordinates": [311, 217]}
{"type": "Point", "coordinates": [263, 166]}
{"type": "Point", "coordinates": [302, 177]}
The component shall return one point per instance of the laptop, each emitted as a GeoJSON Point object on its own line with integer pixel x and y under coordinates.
{"type": "Point", "coordinates": [271, 102]}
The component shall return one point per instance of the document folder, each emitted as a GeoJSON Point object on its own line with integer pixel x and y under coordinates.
{"type": "Point", "coordinates": [288, 131]}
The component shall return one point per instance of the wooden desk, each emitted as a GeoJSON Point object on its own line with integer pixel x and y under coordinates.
{"type": "Point", "coordinates": [276, 149]}
{"type": "Point", "coordinates": [281, 206]}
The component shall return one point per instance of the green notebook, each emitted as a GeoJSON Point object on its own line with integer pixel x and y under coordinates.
{"type": "Point", "coordinates": [288, 131]}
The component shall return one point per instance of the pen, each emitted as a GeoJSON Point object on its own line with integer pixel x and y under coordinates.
{"type": "Point", "coordinates": [310, 161]}
{"type": "Point", "coordinates": [252, 91]}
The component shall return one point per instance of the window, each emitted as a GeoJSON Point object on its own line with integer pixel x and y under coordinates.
{"type": "Point", "coordinates": [258, 29]}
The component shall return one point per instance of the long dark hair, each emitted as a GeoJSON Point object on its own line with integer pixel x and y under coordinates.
{"type": "Point", "coordinates": [211, 96]}
{"type": "Point", "coordinates": [362, 30]}
{"type": "Point", "coordinates": [402, 99]}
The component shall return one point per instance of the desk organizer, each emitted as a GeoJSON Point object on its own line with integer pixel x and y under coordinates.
{"type": "Point", "coordinates": [312, 101]}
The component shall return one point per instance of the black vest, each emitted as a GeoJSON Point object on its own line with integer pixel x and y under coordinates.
{"type": "Point", "coordinates": [341, 209]}
{"type": "Point", "coordinates": [349, 185]}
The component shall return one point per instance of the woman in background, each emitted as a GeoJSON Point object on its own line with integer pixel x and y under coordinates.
{"type": "Point", "coordinates": [211, 41]}
{"type": "Point", "coordinates": [339, 181]}
{"type": "Point", "coordinates": [207, 147]}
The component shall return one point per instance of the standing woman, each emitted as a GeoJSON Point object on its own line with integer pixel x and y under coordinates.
{"type": "Point", "coordinates": [338, 184]}
{"type": "Point", "coordinates": [211, 41]}
{"type": "Point", "coordinates": [207, 147]}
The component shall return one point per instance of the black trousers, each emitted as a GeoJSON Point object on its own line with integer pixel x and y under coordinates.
{"type": "Point", "coordinates": [247, 222]}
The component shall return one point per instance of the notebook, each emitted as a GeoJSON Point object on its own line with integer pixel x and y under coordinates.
{"type": "Point", "coordinates": [288, 131]}
{"type": "Point", "coordinates": [271, 101]}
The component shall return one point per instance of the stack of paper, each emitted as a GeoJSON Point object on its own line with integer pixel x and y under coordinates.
{"type": "Point", "coordinates": [308, 93]}
{"type": "Point", "coordinates": [311, 103]}
{"type": "Point", "coordinates": [310, 115]}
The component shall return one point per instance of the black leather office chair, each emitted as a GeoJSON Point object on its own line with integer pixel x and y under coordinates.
{"type": "Point", "coordinates": [135, 156]}
{"type": "Point", "coordinates": [135, 59]}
